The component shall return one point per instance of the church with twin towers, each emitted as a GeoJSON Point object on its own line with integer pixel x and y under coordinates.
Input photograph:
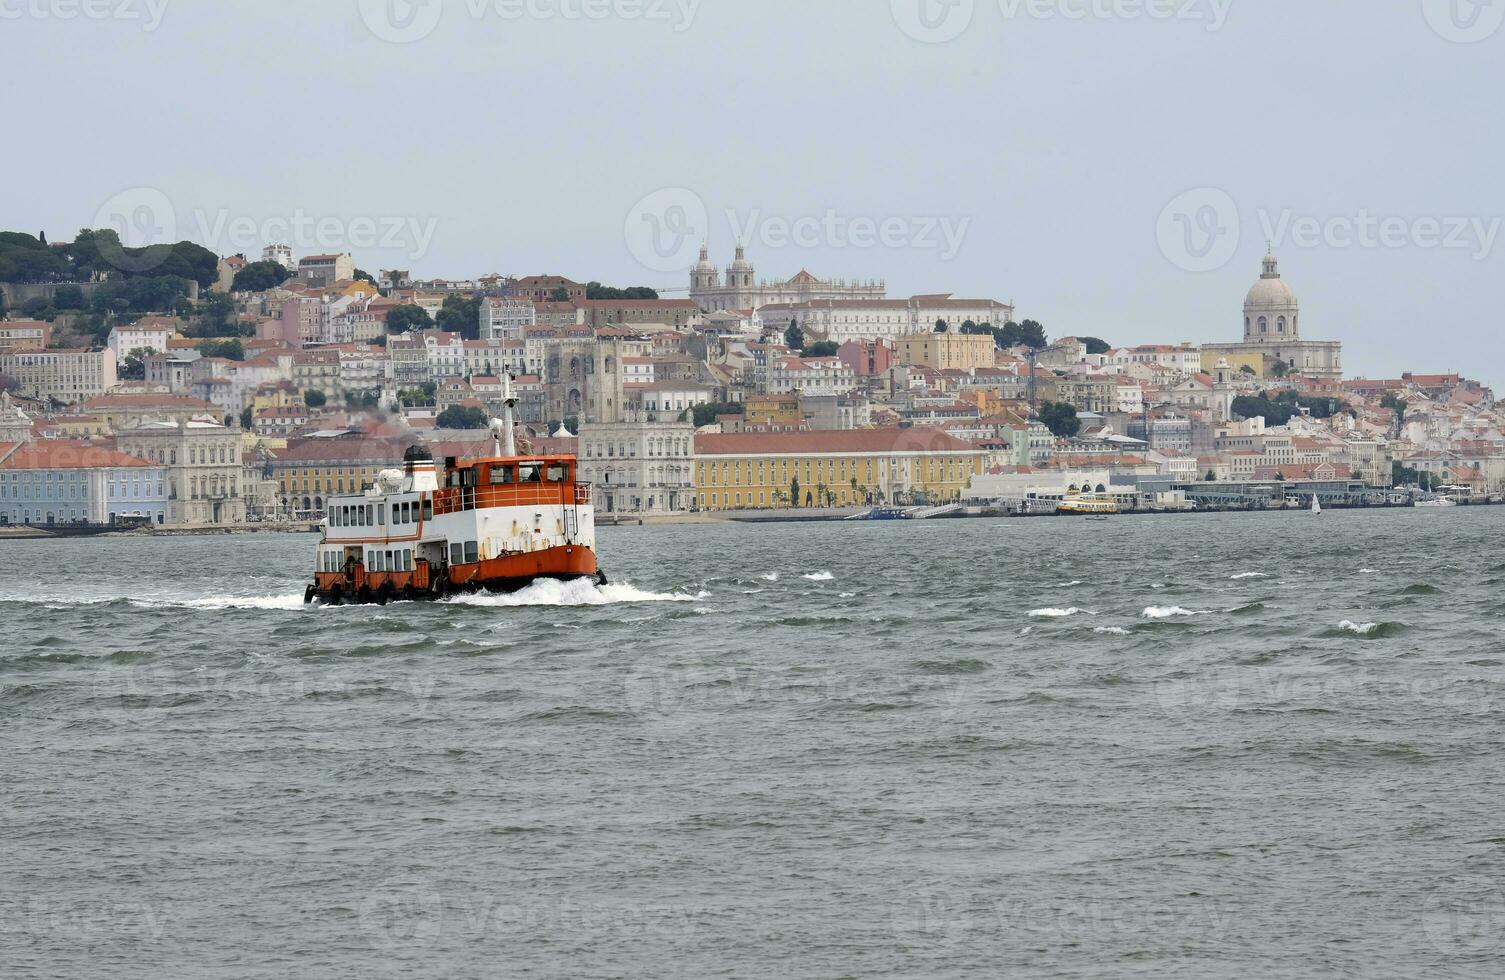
{"type": "Point", "coordinates": [742, 290]}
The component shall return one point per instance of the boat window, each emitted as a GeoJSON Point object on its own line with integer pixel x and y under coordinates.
{"type": "Point", "coordinates": [501, 474]}
{"type": "Point", "coordinates": [370, 516]}
{"type": "Point", "coordinates": [456, 553]}
{"type": "Point", "coordinates": [528, 473]}
{"type": "Point", "coordinates": [360, 517]}
{"type": "Point", "coordinates": [556, 473]}
{"type": "Point", "coordinates": [397, 513]}
{"type": "Point", "coordinates": [388, 562]}
{"type": "Point", "coordinates": [381, 514]}
{"type": "Point", "coordinates": [407, 559]}
{"type": "Point", "coordinates": [471, 554]}
{"type": "Point", "coordinates": [428, 508]}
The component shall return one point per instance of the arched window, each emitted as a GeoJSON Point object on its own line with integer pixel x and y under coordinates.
{"type": "Point", "coordinates": [1264, 325]}
{"type": "Point", "coordinates": [1280, 325]}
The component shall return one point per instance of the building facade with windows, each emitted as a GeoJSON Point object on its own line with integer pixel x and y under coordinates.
{"type": "Point", "coordinates": [638, 467]}
{"type": "Point", "coordinates": [205, 472]}
{"type": "Point", "coordinates": [59, 481]}
{"type": "Point", "coordinates": [68, 376]}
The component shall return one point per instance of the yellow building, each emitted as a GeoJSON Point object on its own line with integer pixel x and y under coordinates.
{"type": "Point", "coordinates": [947, 351]}
{"type": "Point", "coordinates": [772, 411]}
{"type": "Point", "coordinates": [1237, 360]}
{"type": "Point", "coordinates": [836, 468]}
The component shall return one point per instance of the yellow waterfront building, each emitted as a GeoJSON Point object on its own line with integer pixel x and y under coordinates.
{"type": "Point", "coordinates": [839, 468]}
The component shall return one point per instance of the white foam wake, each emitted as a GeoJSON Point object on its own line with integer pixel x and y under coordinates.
{"type": "Point", "coordinates": [1250, 575]}
{"type": "Point", "coordinates": [770, 577]}
{"type": "Point", "coordinates": [1060, 613]}
{"type": "Point", "coordinates": [1112, 630]}
{"type": "Point", "coordinates": [576, 592]}
{"type": "Point", "coordinates": [1167, 612]}
{"type": "Point", "coordinates": [1363, 629]}
{"type": "Point", "coordinates": [819, 576]}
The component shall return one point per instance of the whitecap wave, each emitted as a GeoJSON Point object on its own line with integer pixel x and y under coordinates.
{"type": "Point", "coordinates": [819, 576]}
{"type": "Point", "coordinates": [1244, 575]}
{"type": "Point", "coordinates": [1363, 629]}
{"type": "Point", "coordinates": [1113, 630]}
{"type": "Point", "coordinates": [1060, 613]}
{"type": "Point", "coordinates": [1368, 571]}
{"type": "Point", "coordinates": [846, 595]}
{"type": "Point", "coordinates": [575, 592]}
{"type": "Point", "coordinates": [770, 577]}
{"type": "Point", "coordinates": [1067, 585]}
{"type": "Point", "coordinates": [1168, 612]}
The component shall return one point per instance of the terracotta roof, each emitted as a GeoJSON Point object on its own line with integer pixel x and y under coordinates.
{"type": "Point", "coordinates": [68, 454]}
{"type": "Point", "coordinates": [148, 401]}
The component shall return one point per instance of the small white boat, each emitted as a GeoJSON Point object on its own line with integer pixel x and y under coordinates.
{"type": "Point", "coordinates": [1437, 502]}
{"type": "Point", "coordinates": [1316, 505]}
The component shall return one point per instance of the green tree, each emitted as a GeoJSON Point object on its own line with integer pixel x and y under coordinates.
{"type": "Point", "coordinates": [408, 316]}
{"type": "Point", "coordinates": [1061, 419]}
{"type": "Point", "coordinates": [1095, 345]}
{"type": "Point", "coordinates": [794, 492]}
{"type": "Point", "coordinates": [133, 367]}
{"type": "Point", "coordinates": [217, 313]}
{"type": "Point", "coordinates": [594, 290]}
{"type": "Point", "coordinates": [794, 337]}
{"type": "Point", "coordinates": [463, 417]}
{"type": "Point", "coordinates": [706, 414]}
{"type": "Point", "coordinates": [361, 275]}
{"type": "Point", "coordinates": [822, 348]}
{"type": "Point", "coordinates": [38, 308]}
{"type": "Point", "coordinates": [245, 418]}
{"type": "Point", "coordinates": [314, 398]}
{"type": "Point", "coordinates": [461, 315]}
{"type": "Point", "coordinates": [940, 326]}
{"type": "Point", "coordinates": [69, 297]}
{"type": "Point", "coordinates": [1211, 477]}
{"type": "Point", "coordinates": [229, 348]}
{"type": "Point", "coordinates": [255, 277]}
{"type": "Point", "coordinates": [560, 294]}
{"type": "Point", "coordinates": [1280, 368]}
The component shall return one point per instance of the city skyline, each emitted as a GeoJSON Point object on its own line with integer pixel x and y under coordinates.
{"type": "Point", "coordinates": [1135, 213]}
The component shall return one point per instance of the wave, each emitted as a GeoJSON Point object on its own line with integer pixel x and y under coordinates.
{"type": "Point", "coordinates": [1168, 612]}
{"type": "Point", "coordinates": [1420, 589]}
{"type": "Point", "coordinates": [819, 576]}
{"type": "Point", "coordinates": [1059, 613]}
{"type": "Point", "coordinates": [1373, 631]}
{"type": "Point", "coordinates": [1112, 630]}
{"type": "Point", "coordinates": [770, 577]}
{"type": "Point", "coordinates": [1244, 575]}
{"type": "Point", "coordinates": [1248, 608]}
{"type": "Point", "coordinates": [575, 592]}
{"type": "Point", "coordinates": [1067, 585]}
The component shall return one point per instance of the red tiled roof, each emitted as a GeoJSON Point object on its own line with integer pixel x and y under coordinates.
{"type": "Point", "coordinates": [888, 440]}
{"type": "Point", "coordinates": [68, 454]}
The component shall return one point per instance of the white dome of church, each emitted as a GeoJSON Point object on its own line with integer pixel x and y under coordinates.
{"type": "Point", "coordinates": [1270, 291]}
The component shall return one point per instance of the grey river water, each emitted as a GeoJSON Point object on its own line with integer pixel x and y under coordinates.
{"type": "Point", "coordinates": [1229, 745]}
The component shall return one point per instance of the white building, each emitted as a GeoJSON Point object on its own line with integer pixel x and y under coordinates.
{"type": "Point", "coordinates": [1272, 326]}
{"type": "Point", "coordinates": [69, 375]}
{"type": "Point", "coordinates": [325, 270]}
{"type": "Point", "coordinates": [281, 254]}
{"type": "Point", "coordinates": [506, 317]}
{"type": "Point", "coordinates": [884, 319]}
{"type": "Point", "coordinates": [811, 375]}
{"type": "Point", "coordinates": [204, 468]}
{"type": "Point", "coordinates": [138, 336]}
{"type": "Point", "coordinates": [639, 467]}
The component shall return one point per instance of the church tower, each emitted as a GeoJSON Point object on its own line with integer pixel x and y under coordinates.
{"type": "Point", "coordinates": [1222, 391]}
{"type": "Point", "coordinates": [1271, 313]}
{"type": "Point", "coordinates": [739, 279]}
{"type": "Point", "coordinates": [704, 276]}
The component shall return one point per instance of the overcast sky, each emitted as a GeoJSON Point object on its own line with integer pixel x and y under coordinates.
{"type": "Point", "coordinates": [1113, 171]}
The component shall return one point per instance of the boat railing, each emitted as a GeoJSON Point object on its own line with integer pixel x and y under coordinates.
{"type": "Point", "coordinates": [455, 499]}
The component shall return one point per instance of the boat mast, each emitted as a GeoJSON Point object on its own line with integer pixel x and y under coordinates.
{"type": "Point", "coordinates": [504, 443]}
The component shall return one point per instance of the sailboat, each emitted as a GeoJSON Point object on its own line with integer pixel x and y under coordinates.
{"type": "Point", "coordinates": [1316, 506]}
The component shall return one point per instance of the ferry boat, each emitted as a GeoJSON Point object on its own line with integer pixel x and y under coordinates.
{"type": "Point", "coordinates": [497, 522]}
{"type": "Point", "coordinates": [1090, 505]}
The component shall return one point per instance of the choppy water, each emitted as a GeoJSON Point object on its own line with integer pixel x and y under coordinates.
{"type": "Point", "coordinates": [1221, 745]}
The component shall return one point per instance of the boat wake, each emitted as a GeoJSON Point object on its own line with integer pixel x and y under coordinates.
{"type": "Point", "coordinates": [576, 592]}
{"type": "Point", "coordinates": [1167, 612]}
{"type": "Point", "coordinates": [1059, 613]}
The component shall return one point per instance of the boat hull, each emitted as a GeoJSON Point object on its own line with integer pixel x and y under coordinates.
{"type": "Point", "coordinates": [507, 573]}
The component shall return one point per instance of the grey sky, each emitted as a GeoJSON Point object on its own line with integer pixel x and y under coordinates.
{"type": "Point", "coordinates": [1048, 146]}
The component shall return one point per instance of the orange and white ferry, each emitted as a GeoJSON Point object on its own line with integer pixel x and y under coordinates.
{"type": "Point", "coordinates": [497, 522]}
